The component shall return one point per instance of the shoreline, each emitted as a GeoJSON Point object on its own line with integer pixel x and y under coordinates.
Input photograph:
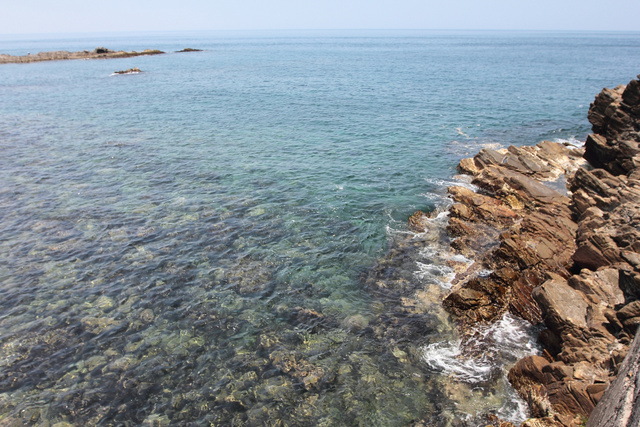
{"type": "Point", "coordinates": [63, 55]}
{"type": "Point", "coordinates": [568, 262]}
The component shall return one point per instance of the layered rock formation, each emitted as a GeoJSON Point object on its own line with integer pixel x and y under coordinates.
{"type": "Point", "coordinates": [567, 260]}
{"type": "Point", "coordinates": [97, 53]}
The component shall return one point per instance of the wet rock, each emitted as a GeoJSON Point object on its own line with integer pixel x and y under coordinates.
{"type": "Point", "coordinates": [480, 300]}
{"type": "Point", "coordinates": [418, 222]}
{"type": "Point", "coordinates": [528, 375]}
{"type": "Point", "coordinates": [476, 207]}
{"type": "Point", "coordinates": [250, 277]}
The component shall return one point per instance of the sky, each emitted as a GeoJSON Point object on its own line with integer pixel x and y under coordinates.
{"type": "Point", "coordinates": [82, 16]}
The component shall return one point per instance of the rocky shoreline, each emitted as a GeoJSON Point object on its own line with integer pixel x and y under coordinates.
{"type": "Point", "coordinates": [566, 260]}
{"type": "Point", "coordinates": [97, 53]}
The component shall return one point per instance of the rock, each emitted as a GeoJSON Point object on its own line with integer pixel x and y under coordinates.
{"type": "Point", "coordinates": [134, 70]}
{"type": "Point", "coordinates": [418, 222]}
{"type": "Point", "coordinates": [527, 377]}
{"type": "Point", "coordinates": [355, 323]}
{"type": "Point", "coordinates": [620, 403]}
{"type": "Point", "coordinates": [188, 49]}
{"type": "Point", "coordinates": [614, 115]}
{"type": "Point", "coordinates": [601, 285]}
{"type": "Point", "coordinates": [564, 308]}
{"type": "Point", "coordinates": [305, 318]}
{"type": "Point", "coordinates": [572, 262]}
{"type": "Point", "coordinates": [97, 53]}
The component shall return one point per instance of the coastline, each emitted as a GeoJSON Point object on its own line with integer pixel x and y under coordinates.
{"type": "Point", "coordinates": [566, 260]}
{"type": "Point", "coordinates": [97, 53]}
{"type": "Point", "coordinates": [146, 250]}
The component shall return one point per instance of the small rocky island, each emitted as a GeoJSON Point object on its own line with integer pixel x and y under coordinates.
{"type": "Point", "coordinates": [566, 258]}
{"type": "Point", "coordinates": [188, 49]}
{"type": "Point", "coordinates": [97, 53]}
{"type": "Point", "coordinates": [134, 70]}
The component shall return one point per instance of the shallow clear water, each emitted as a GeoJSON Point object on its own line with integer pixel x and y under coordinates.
{"type": "Point", "coordinates": [198, 243]}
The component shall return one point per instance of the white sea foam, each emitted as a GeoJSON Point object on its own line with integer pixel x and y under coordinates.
{"type": "Point", "coordinates": [572, 141]}
{"type": "Point", "coordinates": [448, 358]}
{"type": "Point", "coordinates": [486, 358]}
{"type": "Point", "coordinates": [461, 181]}
{"type": "Point", "coordinates": [491, 348]}
{"type": "Point", "coordinates": [435, 274]}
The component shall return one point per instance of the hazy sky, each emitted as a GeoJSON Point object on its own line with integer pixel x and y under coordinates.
{"type": "Point", "coordinates": [62, 16]}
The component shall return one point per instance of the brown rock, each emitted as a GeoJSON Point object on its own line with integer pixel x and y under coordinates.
{"type": "Point", "coordinates": [596, 391]}
{"type": "Point", "coordinates": [417, 222]}
{"type": "Point", "coordinates": [599, 286]}
{"type": "Point", "coordinates": [585, 251]}
{"type": "Point", "coordinates": [564, 309]}
{"type": "Point", "coordinates": [480, 300]}
{"type": "Point", "coordinates": [629, 311]}
{"type": "Point", "coordinates": [469, 167]}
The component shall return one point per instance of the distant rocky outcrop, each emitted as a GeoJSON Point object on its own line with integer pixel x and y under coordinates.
{"type": "Point", "coordinates": [97, 53]}
{"type": "Point", "coordinates": [134, 70]}
{"type": "Point", "coordinates": [188, 49]}
{"type": "Point", "coordinates": [568, 260]}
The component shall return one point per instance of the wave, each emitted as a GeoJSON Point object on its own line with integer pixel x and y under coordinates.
{"type": "Point", "coordinates": [484, 358]}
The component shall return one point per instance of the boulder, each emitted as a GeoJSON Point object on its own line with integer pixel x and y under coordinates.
{"type": "Point", "coordinates": [564, 308]}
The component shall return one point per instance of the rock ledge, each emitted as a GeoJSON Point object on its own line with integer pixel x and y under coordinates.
{"type": "Point", "coordinates": [97, 53]}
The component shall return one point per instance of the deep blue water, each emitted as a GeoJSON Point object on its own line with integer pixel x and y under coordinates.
{"type": "Point", "coordinates": [188, 244]}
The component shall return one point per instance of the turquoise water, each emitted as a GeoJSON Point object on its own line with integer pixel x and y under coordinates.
{"type": "Point", "coordinates": [198, 243]}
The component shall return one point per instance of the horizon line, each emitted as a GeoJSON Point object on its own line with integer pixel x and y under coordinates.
{"type": "Point", "coordinates": [246, 30]}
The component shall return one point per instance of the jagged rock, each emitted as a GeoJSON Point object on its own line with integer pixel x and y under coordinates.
{"type": "Point", "coordinates": [599, 106]}
{"type": "Point", "coordinates": [601, 285]}
{"type": "Point", "coordinates": [561, 317]}
{"type": "Point", "coordinates": [479, 208]}
{"type": "Point", "coordinates": [418, 222]}
{"type": "Point", "coordinates": [615, 115]}
{"type": "Point", "coordinates": [530, 221]}
{"type": "Point", "coordinates": [577, 260]}
{"type": "Point", "coordinates": [481, 300]}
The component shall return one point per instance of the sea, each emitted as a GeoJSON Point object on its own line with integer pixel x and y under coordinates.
{"type": "Point", "coordinates": [222, 238]}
